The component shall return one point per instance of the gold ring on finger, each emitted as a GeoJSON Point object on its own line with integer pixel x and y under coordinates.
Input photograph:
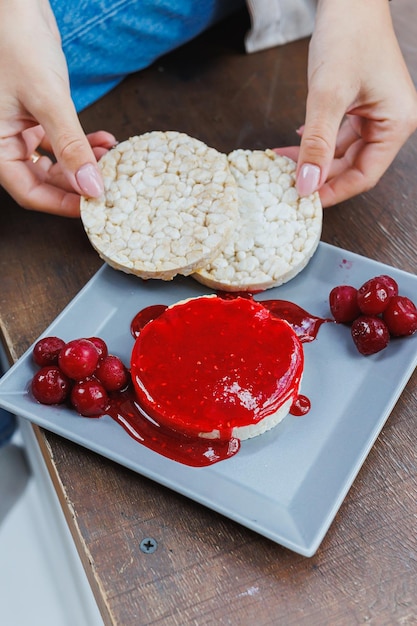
{"type": "Point", "coordinates": [35, 156]}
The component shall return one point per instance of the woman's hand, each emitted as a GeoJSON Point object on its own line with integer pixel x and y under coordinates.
{"type": "Point", "coordinates": [361, 104]}
{"type": "Point", "coordinates": [36, 112]}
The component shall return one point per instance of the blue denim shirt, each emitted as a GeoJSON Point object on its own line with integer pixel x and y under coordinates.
{"type": "Point", "coordinates": [105, 40]}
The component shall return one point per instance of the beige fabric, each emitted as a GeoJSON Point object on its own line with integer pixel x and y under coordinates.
{"type": "Point", "coordinates": [276, 22]}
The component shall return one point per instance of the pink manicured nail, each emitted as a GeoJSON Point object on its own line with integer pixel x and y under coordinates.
{"type": "Point", "coordinates": [308, 179]}
{"type": "Point", "coordinates": [90, 180]}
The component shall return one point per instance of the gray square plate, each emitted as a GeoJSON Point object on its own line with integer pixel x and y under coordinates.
{"type": "Point", "coordinates": [288, 483]}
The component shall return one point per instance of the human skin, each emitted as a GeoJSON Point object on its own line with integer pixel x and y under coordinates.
{"type": "Point", "coordinates": [361, 108]}
{"type": "Point", "coordinates": [36, 110]}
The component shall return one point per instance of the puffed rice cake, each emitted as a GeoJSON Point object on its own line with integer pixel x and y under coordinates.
{"type": "Point", "coordinates": [277, 233]}
{"type": "Point", "coordinates": [169, 206]}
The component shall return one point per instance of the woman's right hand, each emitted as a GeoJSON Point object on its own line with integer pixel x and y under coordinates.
{"type": "Point", "coordinates": [361, 105]}
{"type": "Point", "coordinates": [36, 111]}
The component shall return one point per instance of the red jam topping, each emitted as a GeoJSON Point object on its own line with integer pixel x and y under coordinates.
{"type": "Point", "coordinates": [209, 364]}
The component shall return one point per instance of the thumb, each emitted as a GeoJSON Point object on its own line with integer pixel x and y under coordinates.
{"type": "Point", "coordinates": [318, 142]}
{"type": "Point", "coordinates": [72, 150]}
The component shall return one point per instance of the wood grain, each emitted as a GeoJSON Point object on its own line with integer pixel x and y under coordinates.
{"type": "Point", "coordinates": [208, 570]}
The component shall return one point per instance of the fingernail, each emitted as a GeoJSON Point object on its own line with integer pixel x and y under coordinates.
{"type": "Point", "coordinates": [308, 179]}
{"type": "Point", "coordinates": [89, 180]}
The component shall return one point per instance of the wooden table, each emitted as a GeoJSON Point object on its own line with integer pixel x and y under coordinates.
{"type": "Point", "coordinates": [207, 569]}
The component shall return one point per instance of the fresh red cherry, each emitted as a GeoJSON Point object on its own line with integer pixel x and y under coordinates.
{"type": "Point", "coordinates": [112, 373]}
{"type": "Point", "coordinates": [370, 334]}
{"type": "Point", "coordinates": [50, 386]}
{"type": "Point", "coordinates": [390, 284]}
{"type": "Point", "coordinates": [46, 350]}
{"type": "Point", "coordinates": [343, 303]}
{"type": "Point", "coordinates": [373, 297]}
{"type": "Point", "coordinates": [101, 346]}
{"type": "Point", "coordinates": [89, 398]}
{"type": "Point", "coordinates": [78, 359]}
{"type": "Point", "coordinates": [401, 316]}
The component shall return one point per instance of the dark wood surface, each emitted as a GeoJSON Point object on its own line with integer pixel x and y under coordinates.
{"type": "Point", "coordinates": [207, 569]}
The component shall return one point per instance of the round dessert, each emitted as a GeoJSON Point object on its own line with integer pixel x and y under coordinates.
{"type": "Point", "coordinates": [277, 232]}
{"type": "Point", "coordinates": [217, 368]}
{"type": "Point", "coordinates": [169, 205]}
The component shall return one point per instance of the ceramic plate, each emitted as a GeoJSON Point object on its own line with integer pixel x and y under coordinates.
{"type": "Point", "coordinates": [288, 483]}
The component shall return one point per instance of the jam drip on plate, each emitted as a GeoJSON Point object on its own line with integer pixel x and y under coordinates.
{"type": "Point", "coordinates": [144, 316]}
{"type": "Point", "coordinates": [305, 324]}
{"type": "Point", "coordinates": [300, 406]}
{"type": "Point", "coordinates": [191, 451]}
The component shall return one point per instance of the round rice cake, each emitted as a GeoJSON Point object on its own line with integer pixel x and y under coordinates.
{"type": "Point", "coordinates": [277, 233]}
{"type": "Point", "coordinates": [169, 206]}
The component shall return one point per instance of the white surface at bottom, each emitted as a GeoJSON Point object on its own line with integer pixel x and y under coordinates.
{"type": "Point", "coordinates": [42, 582]}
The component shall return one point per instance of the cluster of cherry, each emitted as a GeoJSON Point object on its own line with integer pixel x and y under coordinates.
{"type": "Point", "coordinates": [81, 372]}
{"type": "Point", "coordinates": [375, 311]}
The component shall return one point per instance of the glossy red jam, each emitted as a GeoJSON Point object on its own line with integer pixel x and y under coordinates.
{"type": "Point", "coordinates": [191, 451]}
{"type": "Point", "coordinates": [208, 365]}
{"type": "Point", "coordinates": [300, 406]}
{"type": "Point", "coordinates": [144, 316]}
{"type": "Point", "coordinates": [304, 324]}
